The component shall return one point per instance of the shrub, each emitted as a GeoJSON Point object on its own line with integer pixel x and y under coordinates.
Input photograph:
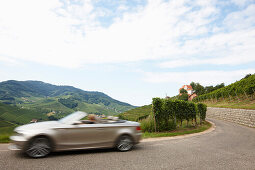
{"type": "Point", "coordinates": [180, 110]}
{"type": "Point", "coordinates": [166, 111]}
{"type": "Point", "coordinates": [201, 111]}
{"type": "Point", "coordinates": [157, 112]}
{"type": "Point", "coordinates": [184, 97]}
{"type": "Point", "coordinates": [192, 111]}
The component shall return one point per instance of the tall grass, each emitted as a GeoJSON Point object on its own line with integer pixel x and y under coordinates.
{"type": "Point", "coordinates": [148, 125]}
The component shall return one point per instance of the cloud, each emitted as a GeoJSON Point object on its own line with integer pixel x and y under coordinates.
{"type": "Point", "coordinates": [8, 60]}
{"type": "Point", "coordinates": [243, 19]}
{"type": "Point", "coordinates": [71, 34]}
{"type": "Point", "coordinates": [205, 77]}
{"type": "Point", "coordinates": [223, 48]}
{"type": "Point", "coordinates": [241, 3]}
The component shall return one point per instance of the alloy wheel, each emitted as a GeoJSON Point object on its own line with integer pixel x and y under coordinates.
{"type": "Point", "coordinates": [38, 147]}
{"type": "Point", "coordinates": [125, 143]}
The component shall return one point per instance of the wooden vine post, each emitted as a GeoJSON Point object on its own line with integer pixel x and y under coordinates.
{"type": "Point", "coordinates": [245, 94]}
{"type": "Point", "coordinates": [237, 97]}
{"type": "Point", "coordinates": [216, 98]}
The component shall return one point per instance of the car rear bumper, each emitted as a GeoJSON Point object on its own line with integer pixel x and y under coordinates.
{"type": "Point", "coordinates": [138, 138]}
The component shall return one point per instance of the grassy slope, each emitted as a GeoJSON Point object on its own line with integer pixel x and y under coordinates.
{"type": "Point", "coordinates": [240, 94]}
{"type": "Point", "coordinates": [237, 103]}
{"type": "Point", "coordinates": [17, 115]}
{"type": "Point", "coordinates": [5, 133]}
{"type": "Point", "coordinates": [46, 105]}
{"type": "Point", "coordinates": [52, 104]}
{"type": "Point", "coordinates": [136, 113]}
{"type": "Point", "coordinates": [12, 116]}
{"type": "Point", "coordinates": [95, 108]}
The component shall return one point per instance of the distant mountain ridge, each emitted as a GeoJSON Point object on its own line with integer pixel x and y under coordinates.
{"type": "Point", "coordinates": [62, 99]}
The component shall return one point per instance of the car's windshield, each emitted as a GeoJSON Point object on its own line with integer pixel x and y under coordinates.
{"type": "Point", "coordinates": [73, 117]}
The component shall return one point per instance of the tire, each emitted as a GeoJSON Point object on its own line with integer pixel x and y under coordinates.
{"type": "Point", "coordinates": [125, 143]}
{"type": "Point", "coordinates": [38, 147]}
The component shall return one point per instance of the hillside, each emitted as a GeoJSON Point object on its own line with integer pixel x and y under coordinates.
{"type": "Point", "coordinates": [16, 115]}
{"type": "Point", "coordinates": [240, 94]}
{"type": "Point", "coordinates": [45, 97]}
{"type": "Point", "coordinates": [136, 113]}
{"type": "Point", "coordinates": [12, 116]}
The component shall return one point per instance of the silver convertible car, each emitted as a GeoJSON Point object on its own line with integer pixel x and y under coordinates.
{"type": "Point", "coordinates": [71, 132]}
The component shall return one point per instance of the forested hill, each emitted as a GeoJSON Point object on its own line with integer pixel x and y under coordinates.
{"type": "Point", "coordinates": [63, 99]}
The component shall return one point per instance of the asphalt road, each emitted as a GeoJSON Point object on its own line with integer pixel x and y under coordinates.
{"type": "Point", "coordinates": [230, 146]}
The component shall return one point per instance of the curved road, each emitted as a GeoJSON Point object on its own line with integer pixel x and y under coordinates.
{"type": "Point", "coordinates": [230, 146]}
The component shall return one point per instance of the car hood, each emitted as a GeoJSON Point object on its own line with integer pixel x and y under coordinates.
{"type": "Point", "coordinates": [39, 125]}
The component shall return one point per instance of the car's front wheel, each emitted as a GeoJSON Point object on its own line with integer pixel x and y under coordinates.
{"type": "Point", "coordinates": [38, 147]}
{"type": "Point", "coordinates": [125, 143]}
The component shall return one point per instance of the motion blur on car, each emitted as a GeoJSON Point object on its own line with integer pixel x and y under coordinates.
{"type": "Point", "coordinates": [72, 132]}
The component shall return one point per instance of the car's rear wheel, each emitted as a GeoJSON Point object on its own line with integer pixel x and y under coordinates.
{"type": "Point", "coordinates": [38, 147]}
{"type": "Point", "coordinates": [125, 143]}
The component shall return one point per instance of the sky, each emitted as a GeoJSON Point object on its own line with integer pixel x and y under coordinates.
{"type": "Point", "coordinates": [132, 50]}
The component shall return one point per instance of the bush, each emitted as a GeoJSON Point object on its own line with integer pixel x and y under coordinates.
{"type": "Point", "coordinates": [184, 97]}
{"type": "Point", "coordinates": [157, 112]}
{"type": "Point", "coordinates": [192, 111]}
{"type": "Point", "coordinates": [201, 111]}
{"type": "Point", "coordinates": [167, 111]}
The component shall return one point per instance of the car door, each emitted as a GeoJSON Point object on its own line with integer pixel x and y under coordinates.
{"type": "Point", "coordinates": [108, 134]}
{"type": "Point", "coordinates": [78, 136]}
{"type": "Point", "coordinates": [98, 135]}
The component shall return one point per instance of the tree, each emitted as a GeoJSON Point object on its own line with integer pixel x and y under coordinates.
{"type": "Point", "coordinates": [209, 89]}
{"type": "Point", "coordinates": [183, 91]}
{"type": "Point", "coordinates": [218, 86]}
{"type": "Point", "coordinates": [247, 75]}
{"type": "Point", "coordinates": [193, 85]}
{"type": "Point", "coordinates": [184, 96]}
{"type": "Point", "coordinates": [199, 89]}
